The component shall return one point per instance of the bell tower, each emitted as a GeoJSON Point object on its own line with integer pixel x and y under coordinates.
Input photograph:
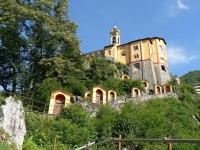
{"type": "Point", "coordinates": [115, 36]}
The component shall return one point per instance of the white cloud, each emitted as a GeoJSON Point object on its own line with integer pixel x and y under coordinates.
{"type": "Point", "coordinates": [175, 7]}
{"type": "Point", "coordinates": [181, 5]}
{"type": "Point", "coordinates": [177, 55]}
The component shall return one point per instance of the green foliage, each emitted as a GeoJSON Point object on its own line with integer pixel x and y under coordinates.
{"type": "Point", "coordinates": [157, 118]}
{"type": "Point", "coordinates": [192, 77]}
{"type": "Point", "coordinates": [100, 70]}
{"type": "Point", "coordinates": [112, 83]}
{"type": "Point", "coordinates": [4, 142]}
{"type": "Point", "coordinates": [37, 41]}
{"type": "Point", "coordinates": [74, 86]}
{"type": "Point", "coordinates": [2, 98]}
{"type": "Point", "coordinates": [147, 120]}
{"type": "Point", "coordinates": [123, 69]}
{"type": "Point", "coordinates": [72, 128]}
{"type": "Point", "coordinates": [123, 87]}
{"type": "Point", "coordinates": [75, 114]}
{"type": "Point", "coordinates": [4, 146]}
{"type": "Point", "coordinates": [42, 92]}
{"type": "Point", "coordinates": [186, 92]}
{"type": "Point", "coordinates": [105, 121]}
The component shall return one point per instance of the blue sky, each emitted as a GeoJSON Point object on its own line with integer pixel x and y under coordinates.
{"type": "Point", "coordinates": [177, 21]}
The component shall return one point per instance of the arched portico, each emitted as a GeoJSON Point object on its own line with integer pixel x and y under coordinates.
{"type": "Point", "coordinates": [98, 94]}
{"type": "Point", "coordinates": [157, 89]}
{"type": "Point", "coordinates": [125, 76]}
{"type": "Point", "coordinates": [59, 99]}
{"type": "Point", "coordinates": [145, 84]}
{"type": "Point", "coordinates": [167, 88]}
{"type": "Point", "coordinates": [112, 95]}
{"type": "Point", "coordinates": [135, 92]}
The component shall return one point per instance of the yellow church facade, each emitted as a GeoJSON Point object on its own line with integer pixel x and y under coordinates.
{"type": "Point", "coordinates": [146, 58]}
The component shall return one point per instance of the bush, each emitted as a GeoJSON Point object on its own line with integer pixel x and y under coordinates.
{"type": "Point", "coordinates": [42, 92]}
{"type": "Point", "coordinates": [74, 86]}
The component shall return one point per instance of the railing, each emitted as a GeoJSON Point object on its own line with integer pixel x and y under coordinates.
{"type": "Point", "coordinates": [29, 104]}
{"type": "Point", "coordinates": [164, 140]}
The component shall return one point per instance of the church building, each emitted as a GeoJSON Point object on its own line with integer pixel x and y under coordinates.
{"type": "Point", "coordinates": [146, 58]}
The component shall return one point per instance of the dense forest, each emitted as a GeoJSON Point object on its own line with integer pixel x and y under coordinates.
{"type": "Point", "coordinates": [39, 52]}
{"type": "Point", "coordinates": [192, 77]}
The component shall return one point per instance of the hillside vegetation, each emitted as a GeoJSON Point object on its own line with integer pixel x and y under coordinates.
{"type": "Point", "coordinates": [143, 120]}
{"type": "Point", "coordinates": [192, 77]}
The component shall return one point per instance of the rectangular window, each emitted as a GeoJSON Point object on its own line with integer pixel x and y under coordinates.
{"type": "Point", "coordinates": [135, 47]}
{"type": "Point", "coordinates": [160, 49]}
{"type": "Point", "coordinates": [136, 56]}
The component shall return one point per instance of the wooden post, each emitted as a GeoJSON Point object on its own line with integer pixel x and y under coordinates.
{"type": "Point", "coordinates": [54, 143]}
{"type": "Point", "coordinates": [31, 105]}
{"type": "Point", "coordinates": [44, 109]}
{"type": "Point", "coordinates": [120, 144]}
{"type": "Point", "coordinates": [169, 144]}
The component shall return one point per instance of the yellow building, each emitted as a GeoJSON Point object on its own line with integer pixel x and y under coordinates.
{"type": "Point", "coordinates": [135, 92]}
{"type": "Point", "coordinates": [111, 95]}
{"type": "Point", "coordinates": [97, 95]}
{"type": "Point", "coordinates": [58, 99]}
{"type": "Point", "coordinates": [146, 58]}
{"type": "Point", "coordinates": [167, 88]}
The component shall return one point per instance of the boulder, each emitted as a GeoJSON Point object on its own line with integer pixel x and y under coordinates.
{"type": "Point", "coordinates": [12, 120]}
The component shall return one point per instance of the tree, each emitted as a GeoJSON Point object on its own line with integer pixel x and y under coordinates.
{"type": "Point", "coordinates": [42, 92]}
{"type": "Point", "coordinates": [192, 77]}
{"type": "Point", "coordinates": [34, 34]}
{"type": "Point", "coordinates": [100, 70]}
{"type": "Point", "coordinates": [13, 44]}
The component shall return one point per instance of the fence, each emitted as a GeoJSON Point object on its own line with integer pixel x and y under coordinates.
{"type": "Point", "coordinates": [29, 104]}
{"type": "Point", "coordinates": [32, 105]}
{"type": "Point", "coordinates": [166, 140]}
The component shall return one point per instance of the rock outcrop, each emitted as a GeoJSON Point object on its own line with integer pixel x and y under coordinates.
{"type": "Point", "coordinates": [12, 120]}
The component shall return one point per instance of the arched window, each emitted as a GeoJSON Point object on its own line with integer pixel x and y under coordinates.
{"type": "Point", "coordinates": [114, 39]}
{"type": "Point", "coordinates": [123, 53]}
{"type": "Point", "coordinates": [163, 68]}
{"type": "Point", "coordinates": [109, 52]}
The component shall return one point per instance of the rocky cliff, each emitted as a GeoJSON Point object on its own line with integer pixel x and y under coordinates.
{"type": "Point", "coordinates": [12, 120]}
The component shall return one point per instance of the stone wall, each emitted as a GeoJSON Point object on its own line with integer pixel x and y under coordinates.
{"type": "Point", "coordinates": [134, 72]}
{"type": "Point", "coordinates": [162, 76]}
{"type": "Point", "coordinates": [146, 72]}
{"type": "Point", "coordinates": [122, 100]}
